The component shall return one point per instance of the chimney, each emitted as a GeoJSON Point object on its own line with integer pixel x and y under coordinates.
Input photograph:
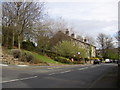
{"type": "Point", "coordinates": [67, 32]}
{"type": "Point", "coordinates": [85, 40]}
{"type": "Point", "coordinates": [73, 35]}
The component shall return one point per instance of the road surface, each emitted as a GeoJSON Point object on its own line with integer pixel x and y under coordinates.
{"type": "Point", "coordinates": [75, 76]}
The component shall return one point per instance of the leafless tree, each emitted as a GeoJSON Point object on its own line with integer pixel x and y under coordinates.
{"type": "Point", "coordinates": [90, 40]}
{"type": "Point", "coordinates": [22, 15]}
{"type": "Point", "coordinates": [105, 42]}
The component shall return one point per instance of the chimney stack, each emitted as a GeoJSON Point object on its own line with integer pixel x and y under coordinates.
{"type": "Point", "coordinates": [67, 32]}
{"type": "Point", "coordinates": [73, 35]}
{"type": "Point", "coordinates": [85, 40]}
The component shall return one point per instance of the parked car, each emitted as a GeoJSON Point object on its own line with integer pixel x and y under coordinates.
{"type": "Point", "coordinates": [96, 61]}
{"type": "Point", "coordinates": [107, 61]}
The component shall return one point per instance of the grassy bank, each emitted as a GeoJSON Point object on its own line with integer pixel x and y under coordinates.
{"type": "Point", "coordinates": [42, 58]}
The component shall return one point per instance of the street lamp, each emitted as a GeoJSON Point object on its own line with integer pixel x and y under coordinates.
{"type": "Point", "coordinates": [78, 53]}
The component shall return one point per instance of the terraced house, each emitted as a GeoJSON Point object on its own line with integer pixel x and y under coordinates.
{"type": "Point", "coordinates": [59, 36]}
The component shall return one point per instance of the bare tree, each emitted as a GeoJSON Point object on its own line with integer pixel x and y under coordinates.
{"type": "Point", "coordinates": [90, 40]}
{"type": "Point", "coordinates": [23, 15]}
{"type": "Point", "coordinates": [105, 42]}
{"type": "Point", "coordinates": [58, 25]}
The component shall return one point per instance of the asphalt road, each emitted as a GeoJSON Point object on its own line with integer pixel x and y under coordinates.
{"type": "Point", "coordinates": [77, 76]}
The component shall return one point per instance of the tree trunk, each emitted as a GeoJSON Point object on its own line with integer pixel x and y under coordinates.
{"type": "Point", "coordinates": [7, 41]}
{"type": "Point", "coordinates": [13, 40]}
{"type": "Point", "coordinates": [19, 42]}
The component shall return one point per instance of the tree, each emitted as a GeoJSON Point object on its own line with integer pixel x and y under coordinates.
{"type": "Point", "coordinates": [90, 40]}
{"type": "Point", "coordinates": [23, 15]}
{"type": "Point", "coordinates": [69, 49]}
{"type": "Point", "coordinates": [58, 25]}
{"type": "Point", "coordinates": [105, 42]}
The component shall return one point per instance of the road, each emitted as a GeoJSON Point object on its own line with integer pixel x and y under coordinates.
{"type": "Point", "coordinates": [75, 76]}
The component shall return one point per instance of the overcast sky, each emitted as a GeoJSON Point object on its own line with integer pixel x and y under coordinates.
{"type": "Point", "coordinates": [87, 17]}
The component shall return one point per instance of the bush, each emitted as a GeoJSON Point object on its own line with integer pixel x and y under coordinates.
{"type": "Point", "coordinates": [52, 55]}
{"type": "Point", "coordinates": [26, 57]}
{"type": "Point", "coordinates": [29, 58]}
{"type": "Point", "coordinates": [36, 61]}
{"type": "Point", "coordinates": [28, 45]}
{"type": "Point", "coordinates": [78, 62]}
{"type": "Point", "coordinates": [16, 53]}
{"type": "Point", "coordinates": [62, 60]}
{"type": "Point", "coordinates": [68, 49]}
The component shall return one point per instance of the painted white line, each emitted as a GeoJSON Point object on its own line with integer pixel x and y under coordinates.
{"type": "Point", "coordinates": [95, 66]}
{"type": "Point", "coordinates": [83, 68]}
{"type": "Point", "coordinates": [51, 68]}
{"type": "Point", "coordinates": [22, 65]}
{"type": "Point", "coordinates": [66, 71]}
{"type": "Point", "coordinates": [3, 65]}
{"type": "Point", "coordinates": [51, 74]}
{"type": "Point", "coordinates": [18, 79]}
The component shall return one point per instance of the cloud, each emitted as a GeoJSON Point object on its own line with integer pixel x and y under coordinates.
{"type": "Point", "coordinates": [101, 11]}
{"type": "Point", "coordinates": [88, 17]}
{"type": "Point", "coordinates": [86, 1]}
{"type": "Point", "coordinates": [93, 27]}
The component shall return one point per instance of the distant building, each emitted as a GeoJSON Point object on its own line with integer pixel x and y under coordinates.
{"type": "Point", "coordinates": [59, 36]}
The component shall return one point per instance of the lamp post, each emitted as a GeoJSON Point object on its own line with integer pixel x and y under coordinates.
{"type": "Point", "coordinates": [119, 47]}
{"type": "Point", "coordinates": [78, 55]}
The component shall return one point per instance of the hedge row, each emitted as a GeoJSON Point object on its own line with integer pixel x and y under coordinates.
{"type": "Point", "coordinates": [63, 60]}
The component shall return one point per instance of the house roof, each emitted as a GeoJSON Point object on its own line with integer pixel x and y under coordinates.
{"type": "Point", "coordinates": [72, 38]}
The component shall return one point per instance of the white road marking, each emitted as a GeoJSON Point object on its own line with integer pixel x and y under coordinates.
{"type": "Point", "coordinates": [52, 74]}
{"type": "Point", "coordinates": [3, 65]}
{"type": "Point", "coordinates": [93, 66]}
{"type": "Point", "coordinates": [66, 71]}
{"type": "Point", "coordinates": [53, 67]}
{"type": "Point", "coordinates": [22, 65]}
{"type": "Point", "coordinates": [83, 68]}
{"type": "Point", "coordinates": [18, 79]}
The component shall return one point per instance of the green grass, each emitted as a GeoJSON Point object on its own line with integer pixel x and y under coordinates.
{"type": "Point", "coordinates": [42, 58]}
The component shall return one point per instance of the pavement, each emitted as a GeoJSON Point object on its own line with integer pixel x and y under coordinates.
{"type": "Point", "coordinates": [85, 76]}
{"type": "Point", "coordinates": [110, 79]}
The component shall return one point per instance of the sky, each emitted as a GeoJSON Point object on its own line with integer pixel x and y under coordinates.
{"type": "Point", "coordinates": [87, 17]}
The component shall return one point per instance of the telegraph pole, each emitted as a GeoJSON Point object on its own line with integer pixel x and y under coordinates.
{"type": "Point", "coordinates": [119, 44]}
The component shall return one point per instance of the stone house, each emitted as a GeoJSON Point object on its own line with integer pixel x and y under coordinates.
{"type": "Point", "coordinates": [59, 36]}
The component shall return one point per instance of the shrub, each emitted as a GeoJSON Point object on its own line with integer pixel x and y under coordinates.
{"type": "Point", "coordinates": [26, 57]}
{"type": "Point", "coordinates": [74, 62]}
{"type": "Point", "coordinates": [29, 58]}
{"type": "Point", "coordinates": [16, 53]}
{"type": "Point", "coordinates": [69, 48]}
{"type": "Point", "coordinates": [52, 55]}
{"type": "Point", "coordinates": [78, 62]}
{"type": "Point", "coordinates": [62, 59]}
{"type": "Point", "coordinates": [36, 61]}
{"type": "Point", "coordinates": [28, 45]}
{"type": "Point", "coordinates": [23, 57]}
